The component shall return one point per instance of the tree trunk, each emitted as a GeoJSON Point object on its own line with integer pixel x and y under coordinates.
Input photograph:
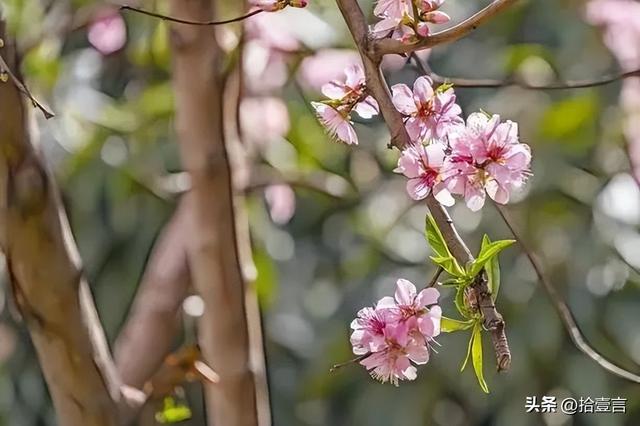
{"type": "Point", "coordinates": [213, 256]}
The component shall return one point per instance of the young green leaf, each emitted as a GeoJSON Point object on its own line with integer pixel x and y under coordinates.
{"type": "Point", "coordinates": [449, 264]}
{"type": "Point", "coordinates": [487, 252]}
{"type": "Point", "coordinates": [466, 358]}
{"type": "Point", "coordinates": [476, 356]}
{"type": "Point", "coordinates": [435, 238]}
{"type": "Point", "coordinates": [493, 270]}
{"type": "Point", "coordinates": [449, 325]}
{"type": "Point", "coordinates": [459, 302]}
{"type": "Point", "coordinates": [173, 412]}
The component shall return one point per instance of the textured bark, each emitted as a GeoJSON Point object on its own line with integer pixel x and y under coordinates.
{"type": "Point", "coordinates": [213, 256]}
{"type": "Point", "coordinates": [154, 321]}
{"type": "Point", "coordinates": [46, 275]}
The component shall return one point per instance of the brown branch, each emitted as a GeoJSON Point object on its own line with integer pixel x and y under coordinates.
{"type": "Point", "coordinates": [188, 21]}
{"type": "Point", "coordinates": [387, 45]}
{"type": "Point", "coordinates": [213, 254]}
{"type": "Point", "coordinates": [154, 320]}
{"type": "Point", "coordinates": [563, 310]}
{"type": "Point", "coordinates": [492, 83]}
{"type": "Point", "coordinates": [399, 138]}
{"type": "Point", "coordinates": [46, 275]}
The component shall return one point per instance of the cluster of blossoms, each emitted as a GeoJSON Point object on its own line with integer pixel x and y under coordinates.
{"type": "Point", "coordinates": [397, 332]}
{"type": "Point", "coordinates": [276, 5]}
{"type": "Point", "coordinates": [447, 156]}
{"type": "Point", "coordinates": [345, 96]}
{"type": "Point", "coordinates": [407, 20]}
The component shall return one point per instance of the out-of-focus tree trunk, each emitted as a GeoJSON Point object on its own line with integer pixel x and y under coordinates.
{"type": "Point", "coordinates": [212, 248]}
{"type": "Point", "coordinates": [46, 275]}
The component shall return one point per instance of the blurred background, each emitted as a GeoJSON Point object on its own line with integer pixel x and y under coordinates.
{"type": "Point", "coordinates": [334, 229]}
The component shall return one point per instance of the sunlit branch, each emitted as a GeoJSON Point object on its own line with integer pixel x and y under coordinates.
{"type": "Point", "coordinates": [190, 22]}
{"type": "Point", "coordinates": [387, 45]}
{"type": "Point", "coordinates": [494, 83]}
{"type": "Point", "coordinates": [563, 310]}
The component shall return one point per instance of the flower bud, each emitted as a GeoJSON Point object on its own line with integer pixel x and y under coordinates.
{"type": "Point", "coordinates": [422, 29]}
{"type": "Point", "coordinates": [436, 17]}
{"type": "Point", "coordinates": [298, 3]}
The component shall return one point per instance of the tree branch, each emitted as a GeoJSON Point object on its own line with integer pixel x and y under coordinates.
{"type": "Point", "coordinates": [378, 88]}
{"type": "Point", "coordinates": [492, 83]}
{"type": "Point", "coordinates": [563, 310]}
{"type": "Point", "coordinates": [188, 21]}
{"type": "Point", "coordinates": [213, 254]}
{"type": "Point", "coordinates": [46, 274]}
{"type": "Point", "coordinates": [154, 320]}
{"type": "Point", "coordinates": [388, 45]}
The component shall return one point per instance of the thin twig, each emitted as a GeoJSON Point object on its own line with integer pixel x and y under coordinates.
{"type": "Point", "coordinates": [493, 83]}
{"type": "Point", "coordinates": [388, 45]}
{"type": "Point", "coordinates": [187, 21]}
{"type": "Point", "coordinates": [350, 362]}
{"type": "Point", "coordinates": [566, 316]}
{"type": "Point", "coordinates": [434, 280]}
{"type": "Point", "coordinates": [22, 88]}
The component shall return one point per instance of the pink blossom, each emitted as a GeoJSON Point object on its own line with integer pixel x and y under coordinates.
{"type": "Point", "coordinates": [486, 155]}
{"type": "Point", "coordinates": [352, 90]}
{"type": "Point", "coordinates": [429, 114]}
{"type": "Point", "coordinates": [423, 165]}
{"type": "Point", "coordinates": [397, 333]}
{"type": "Point", "coordinates": [397, 27]}
{"type": "Point", "coordinates": [282, 202]}
{"type": "Point", "coordinates": [108, 33]}
{"type": "Point", "coordinates": [420, 309]}
{"type": "Point", "coordinates": [336, 123]}
{"type": "Point", "coordinates": [392, 8]}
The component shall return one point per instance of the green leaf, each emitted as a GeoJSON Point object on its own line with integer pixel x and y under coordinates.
{"type": "Point", "coordinates": [449, 264]}
{"type": "Point", "coordinates": [173, 412]}
{"type": "Point", "coordinates": [487, 252]}
{"type": "Point", "coordinates": [459, 302]}
{"type": "Point", "coordinates": [435, 238]}
{"type": "Point", "coordinates": [493, 271]}
{"type": "Point", "coordinates": [476, 356]}
{"type": "Point", "coordinates": [444, 87]}
{"type": "Point", "coordinates": [466, 358]}
{"type": "Point", "coordinates": [449, 325]}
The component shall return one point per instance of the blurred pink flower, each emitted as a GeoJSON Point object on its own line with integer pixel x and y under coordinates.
{"type": "Point", "coordinates": [107, 33]}
{"type": "Point", "coordinates": [423, 166]}
{"type": "Point", "coordinates": [620, 20]}
{"type": "Point", "coordinates": [336, 123]}
{"type": "Point", "coordinates": [326, 65]}
{"type": "Point", "coordinates": [429, 114]}
{"type": "Point", "coordinates": [264, 118]}
{"type": "Point", "coordinates": [392, 8]}
{"type": "Point", "coordinates": [397, 332]}
{"type": "Point", "coordinates": [282, 203]}
{"type": "Point", "coordinates": [486, 155]}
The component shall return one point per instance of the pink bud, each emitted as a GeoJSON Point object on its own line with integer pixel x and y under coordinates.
{"type": "Point", "coordinates": [436, 17]}
{"type": "Point", "coordinates": [423, 29]}
{"type": "Point", "coordinates": [298, 3]}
